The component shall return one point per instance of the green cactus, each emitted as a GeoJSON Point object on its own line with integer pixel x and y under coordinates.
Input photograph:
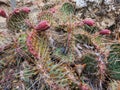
{"type": "Point", "coordinates": [67, 8]}
{"type": "Point", "coordinates": [46, 15]}
{"type": "Point", "coordinates": [91, 64]}
{"type": "Point", "coordinates": [37, 44]}
{"type": "Point", "coordinates": [48, 6]}
{"type": "Point", "coordinates": [84, 39]}
{"type": "Point", "coordinates": [16, 21]}
{"type": "Point", "coordinates": [114, 61]}
{"type": "Point", "coordinates": [91, 29]}
{"type": "Point", "coordinates": [22, 41]}
{"type": "Point", "coordinates": [57, 71]}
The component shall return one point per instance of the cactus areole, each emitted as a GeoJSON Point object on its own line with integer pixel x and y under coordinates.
{"type": "Point", "coordinates": [42, 26]}
{"type": "Point", "coordinates": [2, 13]}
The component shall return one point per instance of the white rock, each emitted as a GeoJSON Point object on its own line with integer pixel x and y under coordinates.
{"type": "Point", "coordinates": [80, 3]}
{"type": "Point", "coordinates": [96, 1]}
{"type": "Point", "coordinates": [107, 2]}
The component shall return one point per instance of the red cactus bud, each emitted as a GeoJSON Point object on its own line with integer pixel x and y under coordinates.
{"type": "Point", "coordinates": [42, 26]}
{"type": "Point", "coordinates": [2, 13]}
{"type": "Point", "coordinates": [16, 11]}
{"type": "Point", "coordinates": [52, 10]}
{"type": "Point", "coordinates": [89, 22]}
{"type": "Point", "coordinates": [105, 32]}
{"type": "Point", "coordinates": [26, 9]}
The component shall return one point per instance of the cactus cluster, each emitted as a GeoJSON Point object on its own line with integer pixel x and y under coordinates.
{"type": "Point", "coordinates": [57, 63]}
{"type": "Point", "coordinates": [59, 53]}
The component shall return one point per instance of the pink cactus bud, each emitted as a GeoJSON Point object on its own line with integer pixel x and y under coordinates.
{"type": "Point", "coordinates": [26, 9]}
{"type": "Point", "coordinates": [105, 32]}
{"type": "Point", "coordinates": [52, 10]}
{"type": "Point", "coordinates": [89, 22]}
{"type": "Point", "coordinates": [42, 26]}
{"type": "Point", "coordinates": [2, 13]}
{"type": "Point", "coordinates": [16, 11]}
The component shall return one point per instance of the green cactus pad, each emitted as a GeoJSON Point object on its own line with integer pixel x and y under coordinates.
{"type": "Point", "coordinates": [22, 41]}
{"type": "Point", "coordinates": [67, 8]}
{"type": "Point", "coordinates": [81, 38]}
{"type": "Point", "coordinates": [60, 73]}
{"type": "Point", "coordinates": [114, 61]}
{"type": "Point", "coordinates": [48, 6]}
{"type": "Point", "coordinates": [91, 63]}
{"type": "Point", "coordinates": [45, 15]}
{"type": "Point", "coordinates": [16, 22]}
{"type": "Point", "coordinates": [38, 45]}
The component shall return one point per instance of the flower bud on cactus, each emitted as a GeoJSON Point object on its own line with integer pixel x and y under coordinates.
{"type": "Point", "coordinates": [89, 22]}
{"type": "Point", "coordinates": [42, 26]}
{"type": "Point", "coordinates": [16, 11]}
{"type": "Point", "coordinates": [26, 9]}
{"type": "Point", "coordinates": [52, 10]}
{"type": "Point", "coordinates": [2, 13]}
{"type": "Point", "coordinates": [105, 32]}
